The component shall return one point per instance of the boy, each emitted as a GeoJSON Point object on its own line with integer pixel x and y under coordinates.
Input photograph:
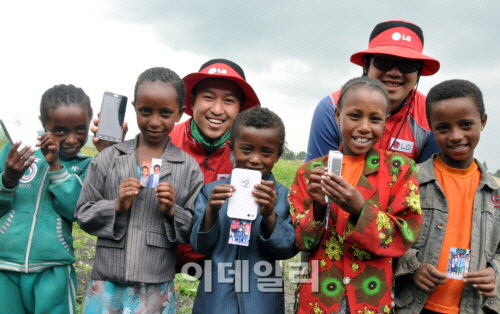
{"type": "Point", "coordinates": [214, 97]}
{"type": "Point", "coordinates": [256, 141]}
{"type": "Point", "coordinates": [460, 203]}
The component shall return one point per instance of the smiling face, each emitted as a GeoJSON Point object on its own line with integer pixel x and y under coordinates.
{"type": "Point", "coordinates": [216, 103]}
{"type": "Point", "coordinates": [145, 171]}
{"type": "Point", "coordinates": [256, 149]}
{"type": "Point", "coordinates": [362, 119]}
{"type": "Point", "coordinates": [70, 125]}
{"type": "Point", "coordinates": [398, 84]}
{"type": "Point", "coordinates": [456, 125]}
{"type": "Point", "coordinates": [157, 111]}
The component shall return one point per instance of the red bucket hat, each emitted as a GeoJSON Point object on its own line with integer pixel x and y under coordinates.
{"type": "Point", "coordinates": [220, 69]}
{"type": "Point", "coordinates": [401, 39]}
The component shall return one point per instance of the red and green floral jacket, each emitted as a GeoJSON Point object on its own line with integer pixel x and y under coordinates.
{"type": "Point", "coordinates": [354, 258]}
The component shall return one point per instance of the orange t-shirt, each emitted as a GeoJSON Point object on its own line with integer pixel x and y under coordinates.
{"type": "Point", "coordinates": [459, 187]}
{"type": "Point", "coordinates": [352, 168]}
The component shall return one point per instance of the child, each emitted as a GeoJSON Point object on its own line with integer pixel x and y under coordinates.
{"type": "Point", "coordinates": [138, 228]}
{"type": "Point", "coordinates": [38, 194]}
{"type": "Point", "coordinates": [214, 97]}
{"type": "Point", "coordinates": [460, 210]}
{"type": "Point", "coordinates": [374, 214]}
{"type": "Point", "coordinates": [257, 139]}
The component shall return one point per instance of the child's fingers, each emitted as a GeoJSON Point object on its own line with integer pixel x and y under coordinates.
{"type": "Point", "coordinates": [21, 162]}
{"type": "Point", "coordinates": [436, 273]}
{"type": "Point", "coordinates": [485, 287]}
{"type": "Point", "coordinates": [268, 183]}
{"type": "Point", "coordinates": [217, 202]}
{"type": "Point", "coordinates": [13, 149]}
{"type": "Point", "coordinates": [220, 196]}
{"type": "Point", "coordinates": [22, 152]}
{"type": "Point", "coordinates": [221, 188]}
{"type": "Point", "coordinates": [165, 195]}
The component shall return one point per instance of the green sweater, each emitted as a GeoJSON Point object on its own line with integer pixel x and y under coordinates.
{"type": "Point", "coordinates": [36, 216]}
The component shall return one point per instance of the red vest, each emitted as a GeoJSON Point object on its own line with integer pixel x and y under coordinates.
{"type": "Point", "coordinates": [216, 166]}
{"type": "Point", "coordinates": [408, 127]}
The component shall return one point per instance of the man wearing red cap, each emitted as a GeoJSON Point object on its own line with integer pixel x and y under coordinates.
{"type": "Point", "coordinates": [394, 57]}
{"type": "Point", "coordinates": [214, 97]}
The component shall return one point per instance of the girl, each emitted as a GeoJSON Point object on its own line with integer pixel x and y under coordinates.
{"type": "Point", "coordinates": [36, 247]}
{"type": "Point", "coordinates": [138, 228]}
{"type": "Point", "coordinates": [374, 215]}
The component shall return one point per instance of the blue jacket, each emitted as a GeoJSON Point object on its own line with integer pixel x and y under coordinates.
{"type": "Point", "coordinates": [225, 259]}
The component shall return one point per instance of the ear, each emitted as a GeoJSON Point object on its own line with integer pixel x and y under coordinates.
{"type": "Point", "coordinates": [337, 116]}
{"type": "Point", "coordinates": [483, 121]}
{"type": "Point", "coordinates": [181, 111]}
{"type": "Point", "coordinates": [279, 156]}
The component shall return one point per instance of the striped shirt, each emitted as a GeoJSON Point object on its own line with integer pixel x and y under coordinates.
{"type": "Point", "coordinates": [139, 244]}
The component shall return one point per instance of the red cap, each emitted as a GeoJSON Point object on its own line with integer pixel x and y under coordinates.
{"type": "Point", "coordinates": [401, 39]}
{"type": "Point", "coordinates": [220, 69]}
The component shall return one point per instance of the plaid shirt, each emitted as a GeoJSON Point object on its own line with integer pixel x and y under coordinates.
{"type": "Point", "coordinates": [354, 258]}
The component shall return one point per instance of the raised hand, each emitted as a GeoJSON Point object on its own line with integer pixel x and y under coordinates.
{"type": "Point", "coordinates": [49, 146]}
{"type": "Point", "coordinates": [315, 190]}
{"type": "Point", "coordinates": [265, 194]}
{"type": "Point", "coordinates": [342, 193]}
{"type": "Point", "coordinates": [127, 191]}
{"type": "Point", "coordinates": [220, 193]}
{"type": "Point", "coordinates": [102, 144]}
{"type": "Point", "coordinates": [166, 196]}
{"type": "Point", "coordinates": [16, 164]}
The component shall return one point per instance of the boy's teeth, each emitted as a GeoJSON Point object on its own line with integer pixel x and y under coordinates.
{"type": "Point", "coordinates": [459, 147]}
{"type": "Point", "coordinates": [361, 140]}
{"type": "Point", "coordinates": [215, 121]}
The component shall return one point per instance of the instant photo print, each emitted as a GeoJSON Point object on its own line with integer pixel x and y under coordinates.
{"type": "Point", "coordinates": [239, 233]}
{"type": "Point", "coordinates": [458, 263]}
{"type": "Point", "coordinates": [149, 172]}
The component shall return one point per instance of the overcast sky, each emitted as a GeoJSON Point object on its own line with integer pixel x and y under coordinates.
{"type": "Point", "coordinates": [293, 53]}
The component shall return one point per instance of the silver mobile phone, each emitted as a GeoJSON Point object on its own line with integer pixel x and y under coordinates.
{"type": "Point", "coordinates": [111, 118]}
{"type": "Point", "coordinates": [335, 164]}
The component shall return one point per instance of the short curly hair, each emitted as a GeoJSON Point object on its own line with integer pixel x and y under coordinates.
{"type": "Point", "coordinates": [454, 89]}
{"type": "Point", "coordinates": [259, 118]}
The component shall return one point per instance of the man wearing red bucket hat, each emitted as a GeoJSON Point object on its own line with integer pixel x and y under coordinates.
{"type": "Point", "coordinates": [394, 56]}
{"type": "Point", "coordinates": [214, 97]}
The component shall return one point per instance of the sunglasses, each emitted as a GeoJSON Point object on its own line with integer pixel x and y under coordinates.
{"type": "Point", "coordinates": [404, 66]}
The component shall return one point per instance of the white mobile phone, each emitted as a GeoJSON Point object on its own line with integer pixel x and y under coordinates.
{"type": "Point", "coordinates": [112, 116]}
{"type": "Point", "coordinates": [20, 129]}
{"type": "Point", "coordinates": [242, 204]}
{"type": "Point", "coordinates": [335, 164]}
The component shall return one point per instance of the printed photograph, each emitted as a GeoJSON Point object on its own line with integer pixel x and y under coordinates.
{"type": "Point", "coordinates": [239, 232]}
{"type": "Point", "coordinates": [149, 174]}
{"type": "Point", "coordinates": [458, 263]}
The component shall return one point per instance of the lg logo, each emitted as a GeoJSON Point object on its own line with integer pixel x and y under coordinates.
{"type": "Point", "coordinates": [215, 70]}
{"type": "Point", "coordinates": [397, 36]}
